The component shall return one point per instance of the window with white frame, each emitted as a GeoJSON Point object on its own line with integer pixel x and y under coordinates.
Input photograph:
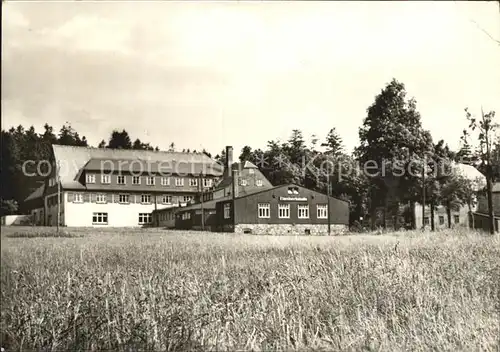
{"type": "Point", "coordinates": [284, 211]}
{"type": "Point", "coordinates": [100, 198]}
{"type": "Point", "coordinates": [303, 211]}
{"type": "Point", "coordinates": [264, 210]}
{"type": "Point", "coordinates": [166, 199]}
{"type": "Point", "coordinates": [207, 182]}
{"type": "Point", "coordinates": [136, 180]}
{"type": "Point", "coordinates": [100, 218]}
{"type": "Point", "coordinates": [120, 179]}
{"type": "Point", "coordinates": [150, 180]}
{"type": "Point", "coordinates": [186, 216]}
{"type": "Point", "coordinates": [90, 178]}
{"type": "Point", "coordinates": [123, 198]}
{"type": "Point", "coordinates": [243, 182]}
{"type": "Point", "coordinates": [187, 198]}
{"type": "Point", "coordinates": [193, 182]}
{"type": "Point", "coordinates": [251, 171]}
{"type": "Point", "coordinates": [106, 179]}
{"type": "Point", "coordinates": [145, 218]}
{"type": "Point", "coordinates": [145, 198]}
{"type": "Point", "coordinates": [165, 181]}
{"type": "Point", "coordinates": [258, 183]}
{"type": "Point", "coordinates": [179, 181]}
{"type": "Point", "coordinates": [227, 211]}
{"type": "Point", "coordinates": [78, 198]}
{"type": "Point", "coordinates": [322, 211]}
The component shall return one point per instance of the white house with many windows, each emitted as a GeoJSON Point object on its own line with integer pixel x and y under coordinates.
{"type": "Point", "coordinates": [109, 187]}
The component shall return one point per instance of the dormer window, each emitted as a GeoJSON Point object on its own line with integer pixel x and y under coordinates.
{"type": "Point", "coordinates": [258, 183]}
{"type": "Point", "coordinates": [90, 178]}
{"type": "Point", "coordinates": [243, 182]}
{"type": "Point", "coordinates": [251, 171]}
{"type": "Point", "coordinates": [293, 190]}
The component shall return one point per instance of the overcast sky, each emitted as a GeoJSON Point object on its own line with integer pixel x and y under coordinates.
{"type": "Point", "coordinates": [210, 74]}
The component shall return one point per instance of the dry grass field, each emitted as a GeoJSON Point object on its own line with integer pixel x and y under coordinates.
{"type": "Point", "coordinates": [151, 290]}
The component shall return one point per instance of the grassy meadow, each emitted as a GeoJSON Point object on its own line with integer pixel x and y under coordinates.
{"type": "Point", "coordinates": [152, 290]}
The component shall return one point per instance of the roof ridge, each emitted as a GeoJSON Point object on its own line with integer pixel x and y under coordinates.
{"type": "Point", "coordinates": [126, 150]}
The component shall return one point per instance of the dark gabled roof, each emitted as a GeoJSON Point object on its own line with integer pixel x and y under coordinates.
{"type": "Point", "coordinates": [226, 182]}
{"type": "Point", "coordinates": [73, 159]}
{"type": "Point", "coordinates": [228, 179]}
{"type": "Point", "coordinates": [37, 193]}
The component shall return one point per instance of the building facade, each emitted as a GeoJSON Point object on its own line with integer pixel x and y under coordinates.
{"type": "Point", "coordinates": [122, 188]}
{"type": "Point", "coordinates": [283, 210]}
{"type": "Point", "coordinates": [460, 216]}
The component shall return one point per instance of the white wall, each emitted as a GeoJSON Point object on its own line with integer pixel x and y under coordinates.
{"type": "Point", "coordinates": [14, 220]}
{"type": "Point", "coordinates": [119, 215]}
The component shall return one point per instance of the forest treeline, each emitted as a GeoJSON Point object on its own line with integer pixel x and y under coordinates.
{"type": "Point", "coordinates": [391, 138]}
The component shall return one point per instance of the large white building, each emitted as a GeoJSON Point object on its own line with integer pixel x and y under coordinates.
{"type": "Point", "coordinates": [118, 187]}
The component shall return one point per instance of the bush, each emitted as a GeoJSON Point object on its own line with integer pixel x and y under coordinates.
{"type": "Point", "coordinates": [35, 234]}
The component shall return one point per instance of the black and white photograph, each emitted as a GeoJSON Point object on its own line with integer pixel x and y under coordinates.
{"type": "Point", "coordinates": [250, 176]}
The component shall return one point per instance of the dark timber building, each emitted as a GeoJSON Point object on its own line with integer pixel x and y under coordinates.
{"type": "Point", "coordinates": [244, 201]}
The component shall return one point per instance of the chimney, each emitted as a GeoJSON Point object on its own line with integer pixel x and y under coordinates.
{"type": "Point", "coordinates": [235, 183]}
{"type": "Point", "coordinates": [229, 161]}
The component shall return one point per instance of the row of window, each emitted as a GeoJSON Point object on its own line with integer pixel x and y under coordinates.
{"type": "Point", "coordinates": [150, 180]}
{"type": "Point", "coordinates": [244, 182]}
{"type": "Point", "coordinates": [264, 211]}
{"type": "Point", "coordinates": [456, 219]}
{"type": "Point", "coordinates": [125, 198]}
{"type": "Point", "coordinates": [102, 218]}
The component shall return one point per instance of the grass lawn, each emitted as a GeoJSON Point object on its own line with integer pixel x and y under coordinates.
{"type": "Point", "coordinates": [152, 290]}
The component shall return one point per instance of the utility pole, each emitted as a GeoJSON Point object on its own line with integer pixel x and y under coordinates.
{"type": "Point", "coordinates": [201, 200]}
{"type": "Point", "coordinates": [488, 176]}
{"type": "Point", "coordinates": [58, 196]}
{"type": "Point", "coordinates": [328, 192]}
{"type": "Point", "coordinates": [233, 196]}
{"type": "Point", "coordinates": [423, 193]}
{"type": "Point", "coordinates": [328, 206]}
{"type": "Point", "coordinates": [157, 216]}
